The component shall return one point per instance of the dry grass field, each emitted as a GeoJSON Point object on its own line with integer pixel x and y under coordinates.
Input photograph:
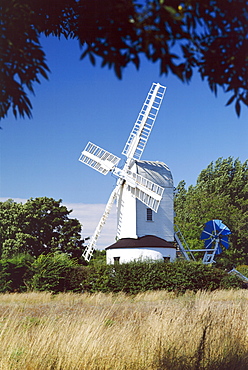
{"type": "Point", "coordinates": [153, 330]}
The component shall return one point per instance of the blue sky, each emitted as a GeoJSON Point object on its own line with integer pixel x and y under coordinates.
{"type": "Point", "coordinates": [81, 103]}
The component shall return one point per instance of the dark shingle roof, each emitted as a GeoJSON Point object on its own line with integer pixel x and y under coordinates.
{"type": "Point", "coordinates": [142, 242]}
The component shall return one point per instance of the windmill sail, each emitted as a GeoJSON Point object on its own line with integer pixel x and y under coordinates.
{"type": "Point", "coordinates": [88, 252]}
{"type": "Point", "coordinates": [98, 158]}
{"type": "Point", "coordinates": [145, 190]}
{"type": "Point", "coordinates": [140, 133]}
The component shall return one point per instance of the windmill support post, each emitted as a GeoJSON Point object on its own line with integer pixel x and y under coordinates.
{"type": "Point", "coordinates": [215, 232]}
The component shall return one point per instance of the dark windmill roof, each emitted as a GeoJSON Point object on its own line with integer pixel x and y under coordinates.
{"type": "Point", "coordinates": [142, 242]}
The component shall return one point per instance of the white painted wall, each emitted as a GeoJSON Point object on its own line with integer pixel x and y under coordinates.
{"type": "Point", "coordinates": [142, 254]}
{"type": "Point", "coordinates": [126, 214]}
{"type": "Point", "coordinates": [162, 224]}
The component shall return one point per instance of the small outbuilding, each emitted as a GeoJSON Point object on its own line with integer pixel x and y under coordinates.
{"type": "Point", "coordinates": [148, 247]}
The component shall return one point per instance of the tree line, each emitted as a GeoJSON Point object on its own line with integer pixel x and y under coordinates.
{"type": "Point", "coordinates": [221, 192]}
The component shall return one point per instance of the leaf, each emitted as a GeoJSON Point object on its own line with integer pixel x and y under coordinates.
{"type": "Point", "coordinates": [84, 53]}
{"type": "Point", "coordinates": [244, 99]}
{"type": "Point", "coordinates": [117, 69]}
{"type": "Point", "coordinates": [92, 59]}
{"type": "Point", "coordinates": [238, 107]}
{"type": "Point", "coordinates": [231, 100]}
{"type": "Point", "coordinates": [136, 61]}
{"type": "Point", "coordinates": [170, 10]}
{"type": "Point", "coordinates": [188, 73]}
{"type": "Point", "coordinates": [104, 62]}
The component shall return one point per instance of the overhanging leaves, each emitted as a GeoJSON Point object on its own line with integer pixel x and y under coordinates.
{"type": "Point", "coordinates": [209, 37]}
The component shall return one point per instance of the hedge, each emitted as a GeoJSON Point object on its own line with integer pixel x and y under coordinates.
{"type": "Point", "coordinates": [58, 273]}
{"type": "Point", "coordinates": [136, 277]}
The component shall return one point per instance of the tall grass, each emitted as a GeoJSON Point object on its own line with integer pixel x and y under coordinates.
{"type": "Point", "coordinates": [153, 330]}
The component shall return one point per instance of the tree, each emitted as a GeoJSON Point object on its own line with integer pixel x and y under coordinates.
{"type": "Point", "coordinates": [40, 226]}
{"type": "Point", "coordinates": [221, 192]}
{"type": "Point", "coordinates": [209, 36]}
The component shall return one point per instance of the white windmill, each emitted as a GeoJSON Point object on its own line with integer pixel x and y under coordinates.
{"type": "Point", "coordinates": [139, 182]}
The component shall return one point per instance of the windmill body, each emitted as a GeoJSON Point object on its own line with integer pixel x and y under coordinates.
{"type": "Point", "coordinates": [141, 185]}
{"type": "Point", "coordinates": [142, 233]}
{"type": "Point", "coordinates": [160, 223]}
{"type": "Point", "coordinates": [134, 218]}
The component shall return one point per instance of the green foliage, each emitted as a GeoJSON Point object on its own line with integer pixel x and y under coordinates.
{"type": "Point", "coordinates": [136, 277]}
{"type": "Point", "coordinates": [99, 257]}
{"type": "Point", "coordinates": [208, 36]}
{"type": "Point", "coordinates": [243, 269]}
{"type": "Point", "coordinates": [40, 226]}
{"type": "Point", "coordinates": [15, 273]}
{"type": "Point", "coordinates": [231, 282]}
{"type": "Point", "coordinates": [56, 272]}
{"type": "Point", "coordinates": [52, 273]}
{"type": "Point", "coordinates": [221, 192]}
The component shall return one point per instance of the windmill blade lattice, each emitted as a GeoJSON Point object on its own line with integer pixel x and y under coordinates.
{"type": "Point", "coordinates": [98, 158]}
{"type": "Point", "coordinates": [146, 191]}
{"type": "Point", "coordinates": [88, 252]}
{"type": "Point", "coordinates": [142, 128]}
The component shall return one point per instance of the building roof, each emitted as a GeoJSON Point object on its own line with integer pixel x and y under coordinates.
{"type": "Point", "coordinates": [155, 171]}
{"type": "Point", "coordinates": [142, 242]}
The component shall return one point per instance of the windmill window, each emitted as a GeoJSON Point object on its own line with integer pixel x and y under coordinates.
{"type": "Point", "coordinates": [116, 260]}
{"type": "Point", "coordinates": [149, 215]}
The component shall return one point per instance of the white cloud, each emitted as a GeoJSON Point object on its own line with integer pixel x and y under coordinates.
{"type": "Point", "coordinates": [89, 215]}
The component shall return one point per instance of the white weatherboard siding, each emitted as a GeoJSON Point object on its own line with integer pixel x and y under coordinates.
{"type": "Point", "coordinates": [140, 254]}
{"type": "Point", "coordinates": [132, 213]}
{"type": "Point", "coordinates": [162, 224]}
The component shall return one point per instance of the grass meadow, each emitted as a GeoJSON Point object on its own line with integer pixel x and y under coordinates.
{"type": "Point", "coordinates": [152, 331]}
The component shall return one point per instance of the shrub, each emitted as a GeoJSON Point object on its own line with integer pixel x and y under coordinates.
{"type": "Point", "coordinates": [231, 282]}
{"type": "Point", "coordinates": [52, 272]}
{"type": "Point", "coordinates": [243, 269]}
{"type": "Point", "coordinates": [15, 273]}
{"type": "Point", "coordinates": [74, 278]}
